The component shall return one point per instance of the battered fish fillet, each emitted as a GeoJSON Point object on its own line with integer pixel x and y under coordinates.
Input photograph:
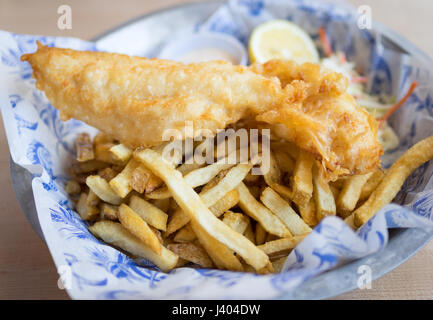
{"type": "Point", "coordinates": [334, 128]}
{"type": "Point", "coordinates": [136, 99]}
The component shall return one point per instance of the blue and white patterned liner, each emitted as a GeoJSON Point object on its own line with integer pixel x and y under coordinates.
{"type": "Point", "coordinates": [41, 142]}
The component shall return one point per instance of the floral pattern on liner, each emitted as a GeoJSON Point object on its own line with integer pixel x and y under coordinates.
{"type": "Point", "coordinates": [41, 143]}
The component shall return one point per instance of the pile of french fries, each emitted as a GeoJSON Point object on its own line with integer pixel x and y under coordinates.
{"type": "Point", "coordinates": [219, 215]}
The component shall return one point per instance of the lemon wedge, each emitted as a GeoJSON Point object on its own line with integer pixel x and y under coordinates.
{"type": "Point", "coordinates": [281, 39]}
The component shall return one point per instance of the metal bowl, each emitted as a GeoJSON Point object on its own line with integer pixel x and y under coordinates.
{"type": "Point", "coordinates": [403, 243]}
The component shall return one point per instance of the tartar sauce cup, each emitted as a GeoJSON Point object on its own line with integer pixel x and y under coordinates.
{"type": "Point", "coordinates": [204, 46]}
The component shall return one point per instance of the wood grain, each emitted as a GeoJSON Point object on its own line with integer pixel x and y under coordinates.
{"type": "Point", "coordinates": [26, 267]}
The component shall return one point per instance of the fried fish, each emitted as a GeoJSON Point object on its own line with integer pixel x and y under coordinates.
{"type": "Point", "coordinates": [136, 99]}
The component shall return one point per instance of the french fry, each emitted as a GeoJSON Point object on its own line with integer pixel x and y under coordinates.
{"type": "Point", "coordinates": [350, 193]}
{"type": "Point", "coordinates": [173, 157]}
{"type": "Point", "coordinates": [102, 152]}
{"type": "Point", "coordinates": [248, 268]}
{"type": "Point", "coordinates": [278, 245]}
{"type": "Point", "coordinates": [280, 254]}
{"type": "Point", "coordinates": [260, 234]}
{"type": "Point", "coordinates": [180, 219]}
{"type": "Point", "coordinates": [218, 198]}
{"type": "Point", "coordinates": [302, 180]}
{"type": "Point", "coordinates": [249, 233]}
{"type": "Point", "coordinates": [221, 255]}
{"type": "Point", "coordinates": [350, 221]}
{"type": "Point", "coordinates": [107, 173]}
{"type": "Point", "coordinates": [236, 221]}
{"type": "Point", "coordinates": [233, 177]}
{"type": "Point", "coordinates": [108, 212]}
{"type": "Point", "coordinates": [200, 215]}
{"type": "Point", "coordinates": [191, 252]}
{"type": "Point", "coordinates": [279, 263]}
{"type": "Point", "coordinates": [157, 233]}
{"type": "Point", "coordinates": [86, 212]}
{"type": "Point", "coordinates": [140, 177]}
{"type": "Point", "coordinates": [72, 187]}
{"type": "Point", "coordinates": [270, 222]}
{"type": "Point", "coordinates": [114, 233]}
{"type": "Point", "coordinates": [186, 168]}
{"type": "Point", "coordinates": [273, 175]}
{"type": "Point", "coordinates": [308, 213]}
{"type": "Point", "coordinates": [138, 227]}
{"type": "Point", "coordinates": [371, 184]}
{"type": "Point", "coordinates": [186, 234]}
{"type": "Point", "coordinates": [84, 147]}
{"type": "Point", "coordinates": [284, 211]}
{"type": "Point", "coordinates": [161, 204]}
{"type": "Point", "coordinates": [92, 199]}
{"type": "Point", "coordinates": [323, 198]}
{"type": "Point", "coordinates": [224, 204]}
{"type": "Point", "coordinates": [270, 237]}
{"type": "Point", "coordinates": [120, 153]}
{"type": "Point", "coordinates": [283, 191]}
{"type": "Point", "coordinates": [153, 183]}
{"type": "Point", "coordinates": [285, 162]}
{"type": "Point", "coordinates": [88, 166]}
{"type": "Point", "coordinates": [121, 184]}
{"type": "Point", "coordinates": [195, 178]}
{"type": "Point", "coordinates": [214, 181]}
{"type": "Point", "coordinates": [149, 213]}
{"type": "Point", "coordinates": [177, 220]}
{"type": "Point", "coordinates": [103, 190]}
{"type": "Point", "coordinates": [418, 154]}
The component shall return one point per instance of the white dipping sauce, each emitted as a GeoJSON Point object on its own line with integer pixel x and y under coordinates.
{"type": "Point", "coordinates": [207, 54]}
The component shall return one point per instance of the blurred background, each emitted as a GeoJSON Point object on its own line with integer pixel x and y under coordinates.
{"type": "Point", "coordinates": [26, 267]}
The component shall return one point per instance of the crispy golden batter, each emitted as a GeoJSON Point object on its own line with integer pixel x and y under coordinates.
{"type": "Point", "coordinates": [322, 118]}
{"type": "Point", "coordinates": [136, 99]}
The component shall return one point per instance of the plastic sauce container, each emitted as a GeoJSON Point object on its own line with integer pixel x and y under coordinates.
{"type": "Point", "coordinates": [207, 46]}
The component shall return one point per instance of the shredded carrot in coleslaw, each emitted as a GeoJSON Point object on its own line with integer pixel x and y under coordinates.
{"type": "Point", "coordinates": [343, 59]}
{"type": "Point", "coordinates": [359, 80]}
{"type": "Point", "coordinates": [398, 104]}
{"type": "Point", "coordinates": [325, 42]}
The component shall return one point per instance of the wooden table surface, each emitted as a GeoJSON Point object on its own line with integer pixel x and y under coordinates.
{"type": "Point", "coordinates": [26, 267]}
